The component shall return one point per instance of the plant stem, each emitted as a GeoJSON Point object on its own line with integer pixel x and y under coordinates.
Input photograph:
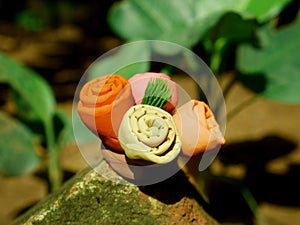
{"type": "Point", "coordinates": [240, 107]}
{"type": "Point", "coordinates": [216, 56]}
{"type": "Point", "coordinates": [253, 205]}
{"type": "Point", "coordinates": [229, 85]}
{"type": "Point", "coordinates": [54, 170]}
{"type": "Point", "coordinates": [167, 69]}
{"type": "Point", "coordinates": [245, 192]}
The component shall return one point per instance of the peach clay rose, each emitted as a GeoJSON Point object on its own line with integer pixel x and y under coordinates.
{"type": "Point", "coordinates": [198, 129]}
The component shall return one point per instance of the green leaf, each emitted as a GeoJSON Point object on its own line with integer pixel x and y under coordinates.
{"type": "Point", "coordinates": [164, 20]}
{"type": "Point", "coordinates": [17, 149]}
{"type": "Point", "coordinates": [278, 61]}
{"type": "Point", "coordinates": [230, 31]}
{"type": "Point", "coordinates": [265, 10]}
{"type": "Point", "coordinates": [157, 93]}
{"type": "Point", "coordinates": [182, 22]}
{"type": "Point", "coordinates": [233, 28]}
{"type": "Point", "coordinates": [63, 128]}
{"type": "Point", "coordinates": [127, 60]}
{"type": "Point", "coordinates": [29, 21]}
{"type": "Point", "coordinates": [24, 109]}
{"type": "Point", "coordinates": [81, 133]}
{"type": "Point", "coordinates": [30, 86]}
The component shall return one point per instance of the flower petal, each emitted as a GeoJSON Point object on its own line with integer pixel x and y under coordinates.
{"type": "Point", "coordinates": [149, 133]}
{"type": "Point", "coordinates": [102, 104]}
{"type": "Point", "coordinates": [198, 129]}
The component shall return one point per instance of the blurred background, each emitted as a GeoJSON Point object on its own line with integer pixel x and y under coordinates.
{"type": "Point", "coordinates": [252, 48]}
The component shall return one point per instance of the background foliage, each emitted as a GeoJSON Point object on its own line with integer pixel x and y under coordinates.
{"type": "Point", "coordinates": [243, 36]}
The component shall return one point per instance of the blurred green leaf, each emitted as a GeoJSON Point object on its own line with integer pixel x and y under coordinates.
{"type": "Point", "coordinates": [30, 86]}
{"type": "Point", "coordinates": [248, 9]}
{"type": "Point", "coordinates": [17, 149]}
{"type": "Point", "coordinates": [223, 38]}
{"type": "Point", "coordinates": [29, 21]}
{"type": "Point", "coordinates": [3, 78]}
{"type": "Point", "coordinates": [233, 28]}
{"type": "Point", "coordinates": [182, 22]}
{"type": "Point", "coordinates": [165, 20]}
{"type": "Point", "coordinates": [132, 69]}
{"type": "Point", "coordinates": [278, 61]}
{"type": "Point", "coordinates": [63, 128]}
{"type": "Point", "coordinates": [265, 10]}
{"type": "Point", "coordinates": [127, 60]}
{"type": "Point", "coordinates": [81, 133]}
{"type": "Point", "coordinates": [23, 108]}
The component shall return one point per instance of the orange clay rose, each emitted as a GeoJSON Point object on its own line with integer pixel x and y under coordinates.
{"type": "Point", "coordinates": [102, 104]}
{"type": "Point", "coordinates": [198, 129]}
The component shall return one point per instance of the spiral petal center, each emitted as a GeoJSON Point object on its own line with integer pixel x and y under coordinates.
{"type": "Point", "coordinates": [155, 130]}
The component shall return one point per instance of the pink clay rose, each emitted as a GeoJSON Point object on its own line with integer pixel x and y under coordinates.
{"type": "Point", "coordinates": [139, 83]}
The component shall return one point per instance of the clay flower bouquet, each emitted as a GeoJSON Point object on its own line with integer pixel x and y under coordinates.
{"type": "Point", "coordinates": [139, 124]}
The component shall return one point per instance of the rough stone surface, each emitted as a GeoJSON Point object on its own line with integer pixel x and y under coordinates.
{"type": "Point", "coordinates": [88, 198]}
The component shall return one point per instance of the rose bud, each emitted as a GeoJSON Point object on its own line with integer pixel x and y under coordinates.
{"type": "Point", "coordinates": [102, 104]}
{"type": "Point", "coordinates": [198, 129]}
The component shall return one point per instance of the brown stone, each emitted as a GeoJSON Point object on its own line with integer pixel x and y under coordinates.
{"type": "Point", "coordinates": [89, 198]}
